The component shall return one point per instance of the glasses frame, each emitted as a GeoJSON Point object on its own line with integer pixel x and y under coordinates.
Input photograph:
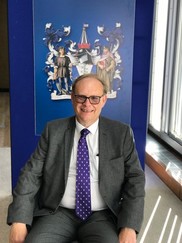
{"type": "Point", "coordinates": [89, 98]}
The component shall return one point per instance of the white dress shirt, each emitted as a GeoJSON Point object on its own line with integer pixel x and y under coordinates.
{"type": "Point", "coordinates": [97, 202]}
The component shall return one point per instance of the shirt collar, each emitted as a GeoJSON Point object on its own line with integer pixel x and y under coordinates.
{"type": "Point", "coordinates": [92, 128]}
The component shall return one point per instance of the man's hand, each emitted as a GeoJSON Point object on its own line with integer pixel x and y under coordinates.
{"type": "Point", "coordinates": [18, 233]}
{"type": "Point", "coordinates": [127, 235]}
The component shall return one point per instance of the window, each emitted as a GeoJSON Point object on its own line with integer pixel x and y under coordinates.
{"type": "Point", "coordinates": [165, 106]}
{"type": "Point", "coordinates": [176, 101]}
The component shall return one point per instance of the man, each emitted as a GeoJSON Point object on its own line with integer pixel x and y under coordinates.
{"type": "Point", "coordinates": [62, 71]}
{"type": "Point", "coordinates": [45, 198]}
{"type": "Point", "coordinates": [106, 68]}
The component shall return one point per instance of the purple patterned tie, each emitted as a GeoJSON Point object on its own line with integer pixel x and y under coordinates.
{"type": "Point", "coordinates": [83, 199]}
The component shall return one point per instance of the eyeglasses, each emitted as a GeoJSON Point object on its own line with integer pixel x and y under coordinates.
{"type": "Point", "coordinates": [93, 99]}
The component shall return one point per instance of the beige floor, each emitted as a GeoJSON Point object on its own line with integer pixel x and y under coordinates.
{"type": "Point", "coordinates": [5, 165]}
{"type": "Point", "coordinates": [5, 191]}
{"type": "Point", "coordinates": [4, 120]}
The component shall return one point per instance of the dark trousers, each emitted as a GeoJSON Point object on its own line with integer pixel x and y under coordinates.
{"type": "Point", "coordinates": [65, 227]}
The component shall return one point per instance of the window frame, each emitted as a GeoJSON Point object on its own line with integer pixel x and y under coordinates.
{"type": "Point", "coordinates": [169, 67]}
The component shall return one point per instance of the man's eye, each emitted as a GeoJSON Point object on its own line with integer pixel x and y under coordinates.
{"type": "Point", "coordinates": [94, 97]}
{"type": "Point", "coordinates": [81, 97]}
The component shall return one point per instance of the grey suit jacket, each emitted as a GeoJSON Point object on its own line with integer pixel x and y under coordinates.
{"type": "Point", "coordinates": [42, 181]}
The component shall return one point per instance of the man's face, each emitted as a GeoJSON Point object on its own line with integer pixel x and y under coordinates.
{"type": "Point", "coordinates": [86, 112]}
{"type": "Point", "coordinates": [105, 50]}
{"type": "Point", "coordinates": [61, 51]}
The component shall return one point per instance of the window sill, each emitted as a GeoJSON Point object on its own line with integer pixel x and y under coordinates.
{"type": "Point", "coordinates": [165, 164]}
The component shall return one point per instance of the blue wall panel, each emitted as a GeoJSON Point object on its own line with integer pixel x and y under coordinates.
{"type": "Point", "coordinates": [141, 72]}
{"type": "Point", "coordinates": [23, 139]}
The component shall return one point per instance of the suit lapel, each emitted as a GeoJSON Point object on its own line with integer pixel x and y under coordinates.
{"type": "Point", "coordinates": [69, 136]}
{"type": "Point", "coordinates": [103, 150]}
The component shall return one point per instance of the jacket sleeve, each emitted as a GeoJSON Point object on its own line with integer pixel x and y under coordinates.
{"type": "Point", "coordinates": [133, 192]}
{"type": "Point", "coordinates": [29, 182]}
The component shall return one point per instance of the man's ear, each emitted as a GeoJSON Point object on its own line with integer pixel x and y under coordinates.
{"type": "Point", "coordinates": [72, 96]}
{"type": "Point", "coordinates": [104, 100]}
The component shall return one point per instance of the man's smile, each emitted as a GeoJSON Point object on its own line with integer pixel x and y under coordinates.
{"type": "Point", "coordinates": [86, 110]}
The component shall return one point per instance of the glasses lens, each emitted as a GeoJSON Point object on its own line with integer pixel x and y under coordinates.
{"type": "Point", "coordinates": [94, 99]}
{"type": "Point", "coordinates": [80, 98]}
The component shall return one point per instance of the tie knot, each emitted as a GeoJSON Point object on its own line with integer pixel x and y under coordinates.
{"type": "Point", "coordinates": [84, 132]}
